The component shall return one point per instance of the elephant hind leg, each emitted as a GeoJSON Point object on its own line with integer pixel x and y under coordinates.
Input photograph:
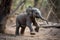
{"type": "Point", "coordinates": [22, 30]}
{"type": "Point", "coordinates": [17, 28]}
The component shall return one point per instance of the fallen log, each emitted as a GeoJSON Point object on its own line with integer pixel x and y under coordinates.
{"type": "Point", "coordinates": [50, 25]}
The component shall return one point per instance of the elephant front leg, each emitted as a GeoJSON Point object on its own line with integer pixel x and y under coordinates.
{"type": "Point", "coordinates": [31, 30]}
{"type": "Point", "coordinates": [30, 27]}
{"type": "Point", "coordinates": [37, 27]}
{"type": "Point", "coordinates": [22, 30]}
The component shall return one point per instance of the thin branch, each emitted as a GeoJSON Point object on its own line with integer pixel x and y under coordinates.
{"type": "Point", "coordinates": [53, 3]}
{"type": "Point", "coordinates": [19, 4]}
{"type": "Point", "coordinates": [49, 13]}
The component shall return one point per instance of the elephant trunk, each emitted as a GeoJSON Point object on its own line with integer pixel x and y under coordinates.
{"type": "Point", "coordinates": [43, 19]}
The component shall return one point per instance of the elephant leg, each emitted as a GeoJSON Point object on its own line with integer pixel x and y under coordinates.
{"type": "Point", "coordinates": [29, 24]}
{"type": "Point", "coordinates": [17, 30]}
{"type": "Point", "coordinates": [37, 27]}
{"type": "Point", "coordinates": [31, 29]}
{"type": "Point", "coordinates": [22, 30]}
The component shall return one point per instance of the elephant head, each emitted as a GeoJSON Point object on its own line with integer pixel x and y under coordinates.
{"type": "Point", "coordinates": [35, 12]}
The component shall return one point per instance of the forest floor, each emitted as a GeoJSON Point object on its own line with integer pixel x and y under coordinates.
{"type": "Point", "coordinates": [43, 34]}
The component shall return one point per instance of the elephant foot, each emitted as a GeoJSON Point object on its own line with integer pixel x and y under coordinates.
{"type": "Point", "coordinates": [17, 34]}
{"type": "Point", "coordinates": [21, 34]}
{"type": "Point", "coordinates": [32, 33]}
{"type": "Point", "coordinates": [37, 29]}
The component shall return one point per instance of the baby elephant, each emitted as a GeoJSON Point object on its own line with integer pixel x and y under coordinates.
{"type": "Point", "coordinates": [26, 19]}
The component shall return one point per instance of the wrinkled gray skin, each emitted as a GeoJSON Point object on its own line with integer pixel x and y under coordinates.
{"type": "Point", "coordinates": [26, 19]}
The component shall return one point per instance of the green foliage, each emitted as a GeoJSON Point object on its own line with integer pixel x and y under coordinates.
{"type": "Point", "coordinates": [26, 4]}
{"type": "Point", "coordinates": [44, 3]}
{"type": "Point", "coordinates": [15, 3]}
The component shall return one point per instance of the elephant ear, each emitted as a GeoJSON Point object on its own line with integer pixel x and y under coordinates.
{"type": "Point", "coordinates": [29, 10]}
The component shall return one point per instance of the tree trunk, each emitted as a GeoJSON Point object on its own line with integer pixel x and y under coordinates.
{"type": "Point", "coordinates": [4, 12]}
{"type": "Point", "coordinates": [55, 13]}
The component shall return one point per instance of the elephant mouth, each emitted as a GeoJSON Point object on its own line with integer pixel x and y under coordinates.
{"type": "Point", "coordinates": [37, 17]}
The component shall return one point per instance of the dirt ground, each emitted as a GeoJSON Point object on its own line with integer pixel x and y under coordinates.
{"type": "Point", "coordinates": [43, 34]}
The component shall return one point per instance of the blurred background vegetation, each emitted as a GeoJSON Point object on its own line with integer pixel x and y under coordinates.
{"type": "Point", "coordinates": [40, 3]}
{"type": "Point", "coordinates": [46, 7]}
